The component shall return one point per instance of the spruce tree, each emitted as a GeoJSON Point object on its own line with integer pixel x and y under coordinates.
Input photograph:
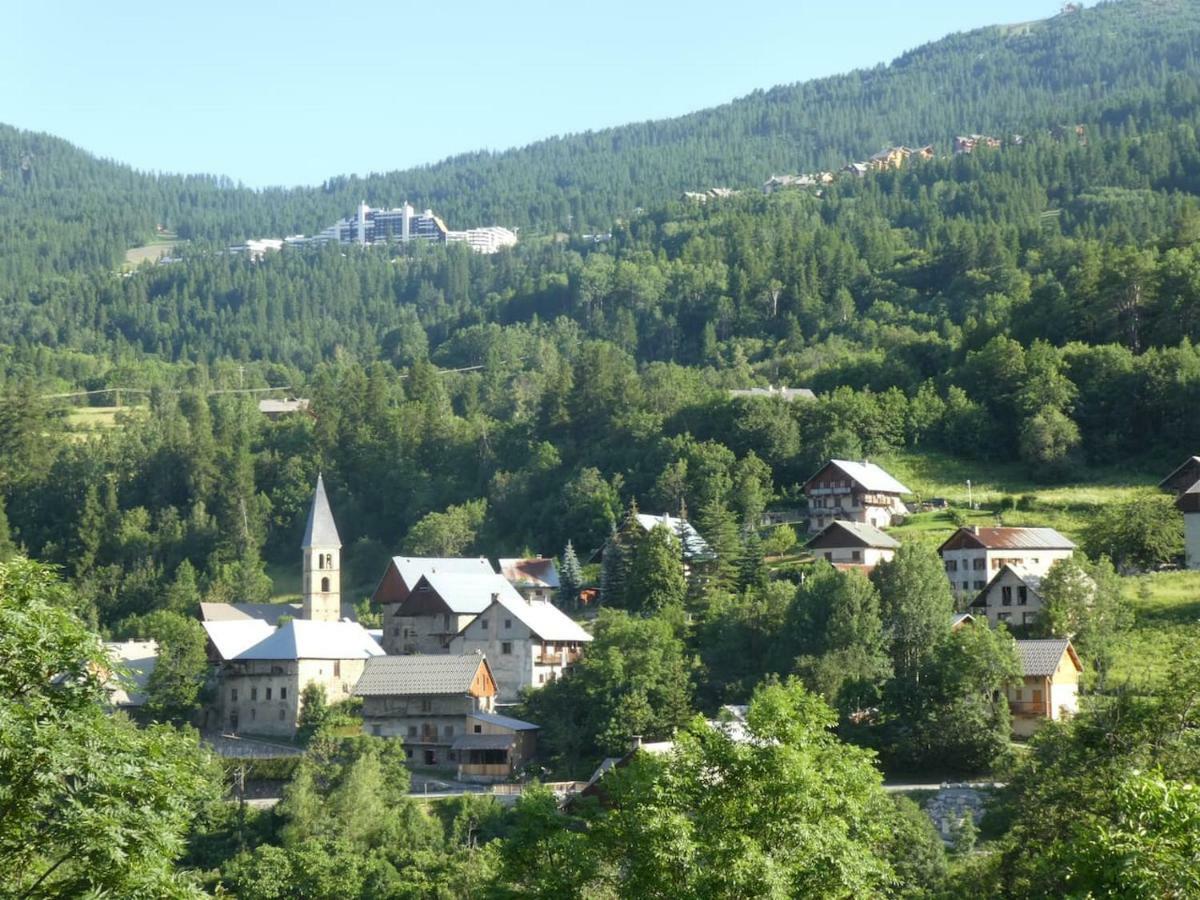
{"type": "Point", "coordinates": [570, 578]}
{"type": "Point", "coordinates": [656, 579]}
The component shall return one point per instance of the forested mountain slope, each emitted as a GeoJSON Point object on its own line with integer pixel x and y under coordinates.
{"type": "Point", "coordinates": [1134, 60]}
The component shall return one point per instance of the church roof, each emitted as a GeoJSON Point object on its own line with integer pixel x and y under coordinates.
{"type": "Point", "coordinates": [320, 531]}
{"type": "Point", "coordinates": [307, 639]}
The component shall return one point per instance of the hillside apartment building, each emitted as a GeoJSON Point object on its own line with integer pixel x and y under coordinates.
{"type": "Point", "coordinates": [973, 556]}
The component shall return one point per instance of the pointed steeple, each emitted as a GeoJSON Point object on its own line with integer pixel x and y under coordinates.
{"type": "Point", "coordinates": [321, 530]}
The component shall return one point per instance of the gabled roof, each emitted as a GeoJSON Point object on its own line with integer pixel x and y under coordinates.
{"type": "Point", "coordinates": [536, 572]}
{"type": "Point", "coordinates": [694, 546]}
{"type": "Point", "coordinates": [503, 721]}
{"type": "Point", "coordinates": [139, 657]}
{"type": "Point", "coordinates": [866, 474]}
{"type": "Point", "coordinates": [1041, 658]}
{"type": "Point", "coordinates": [230, 638]}
{"type": "Point", "coordinates": [1007, 539]}
{"type": "Point", "coordinates": [1187, 473]}
{"type": "Point", "coordinates": [839, 533]}
{"type": "Point", "coordinates": [1189, 500]}
{"type": "Point", "coordinates": [469, 594]}
{"type": "Point", "coordinates": [307, 639]}
{"type": "Point", "coordinates": [411, 568]}
{"type": "Point", "coordinates": [419, 674]}
{"type": "Point", "coordinates": [545, 620]}
{"type": "Point", "coordinates": [958, 620]}
{"type": "Point", "coordinates": [320, 530]}
{"type": "Point", "coordinates": [1033, 582]}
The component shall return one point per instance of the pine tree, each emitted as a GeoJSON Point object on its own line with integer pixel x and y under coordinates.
{"type": "Point", "coordinates": [720, 530]}
{"type": "Point", "coordinates": [656, 579]}
{"type": "Point", "coordinates": [570, 578]}
{"type": "Point", "coordinates": [619, 554]}
{"type": "Point", "coordinates": [90, 531]}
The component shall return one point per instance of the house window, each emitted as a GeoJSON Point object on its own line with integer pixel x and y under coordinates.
{"type": "Point", "coordinates": [408, 752]}
{"type": "Point", "coordinates": [396, 632]}
{"type": "Point", "coordinates": [448, 731]}
{"type": "Point", "coordinates": [253, 693]}
{"type": "Point", "coordinates": [479, 729]}
{"type": "Point", "coordinates": [952, 565]}
{"type": "Point", "coordinates": [233, 696]}
{"type": "Point", "coordinates": [979, 564]}
{"type": "Point", "coordinates": [508, 623]}
{"type": "Point", "coordinates": [483, 624]}
{"type": "Point", "coordinates": [542, 678]}
{"type": "Point", "coordinates": [1006, 595]}
{"type": "Point", "coordinates": [506, 648]}
{"type": "Point", "coordinates": [966, 585]}
{"type": "Point", "coordinates": [856, 555]}
{"type": "Point", "coordinates": [829, 555]}
{"type": "Point", "coordinates": [283, 693]}
{"type": "Point", "coordinates": [252, 712]}
{"type": "Point", "coordinates": [268, 693]}
{"type": "Point", "coordinates": [1004, 617]}
{"type": "Point", "coordinates": [1022, 595]}
{"type": "Point", "coordinates": [337, 668]}
{"type": "Point", "coordinates": [426, 705]}
{"type": "Point", "coordinates": [980, 585]}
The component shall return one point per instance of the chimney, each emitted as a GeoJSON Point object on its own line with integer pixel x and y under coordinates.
{"type": "Point", "coordinates": [974, 529]}
{"type": "Point", "coordinates": [495, 597]}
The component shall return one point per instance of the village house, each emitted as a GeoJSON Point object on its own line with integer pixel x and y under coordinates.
{"type": "Point", "coordinates": [401, 577]}
{"type": "Point", "coordinates": [695, 547]}
{"type": "Point", "coordinates": [968, 143]}
{"type": "Point", "coordinates": [534, 579]}
{"type": "Point", "coordinates": [1184, 483]}
{"type": "Point", "coordinates": [527, 644]}
{"type": "Point", "coordinates": [138, 658]}
{"type": "Point", "coordinates": [973, 555]}
{"type": "Point", "coordinates": [1013, 596]}
{"type": "Point", "coordinates": [438, 607]}
{"type": "Point", "coordinates": [853, 545]}
{"type": "Point", "coordinates": [783, 392]}
{"type": "Point", "coordinates": [1050, 671]}
{"type": "Point", "coordinates": [442, 707]}
{"type": "Point", "coordinates": [849, 491]}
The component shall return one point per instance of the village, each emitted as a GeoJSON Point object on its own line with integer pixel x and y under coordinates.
{"type": "Point", "coordinates": [463, 640]}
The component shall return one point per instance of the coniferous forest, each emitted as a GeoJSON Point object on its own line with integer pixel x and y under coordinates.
{"type": "Point", "coordinates": [1031, 308]}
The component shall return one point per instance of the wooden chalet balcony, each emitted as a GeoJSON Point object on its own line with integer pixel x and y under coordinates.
{"type": "Point", "coordinates": [558, 658]}
{"type": "Point", "coordinates": [1028, 708]}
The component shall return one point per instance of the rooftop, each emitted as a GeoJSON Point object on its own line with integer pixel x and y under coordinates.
{"type": "Point", "coordinates": [471, 594]}
{"type": "Point", "coordinates": [694, 546]}
{"type": "Point", "coordinates": [139, 658]}
{"type": "Point", "coordinates": [536, 572]}
{"type": "Point", "coordinates": [865, 533]}
{"type": "Point", "coordinates": [418, 674]}
{"type": "Point", "coordinates": [503, 721]}
{"type": "Point", "coordinates": [320, 530]}
{"type": "Point", "coordinates": [868, 475]}
{"type": "Point", "coordinates": [544, 619]}
{"type": "Point", "coordinates": [1041, 658]}
{"type": "Point", "coordinates": [411, 568]}
{"type": "Point", "coordinates": [306, 639]}
{"type": "Point", "coordinates": [1012, 538]}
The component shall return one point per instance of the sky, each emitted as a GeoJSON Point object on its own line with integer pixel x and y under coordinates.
{"type": "Point", "coordinates": [272, 93]}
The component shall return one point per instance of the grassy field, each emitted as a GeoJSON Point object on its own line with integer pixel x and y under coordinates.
{"type": "Point", "coordinates": [151, 251]}
{"type": "Point", "coordinates": [1167, 609]}
{"type": "Point", "coordinates": [88, 421]}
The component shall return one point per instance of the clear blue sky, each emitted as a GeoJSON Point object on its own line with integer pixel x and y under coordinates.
{"type": "Point", "coordinates": [291, 93]}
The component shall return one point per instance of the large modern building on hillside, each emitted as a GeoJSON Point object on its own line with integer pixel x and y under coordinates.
{"type": "Point", "coordinates": [405, 224]}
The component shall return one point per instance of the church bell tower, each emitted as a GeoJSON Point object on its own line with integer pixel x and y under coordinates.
{"type": "Point", "coordinates": [322, 567]}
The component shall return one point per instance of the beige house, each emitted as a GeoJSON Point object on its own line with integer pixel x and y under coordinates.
{"type": "Point", "coordinates": [526, 644]}
{"type": "Point", "coordinates": [853, 545]}
{"type": "Point", "coordinates": [849, 491]}
{"type": "Point", "coordinates": [1013, 596]}
{"type": "Point", "coordinates": [401, 577]}
{"type": "Point", "coordinates": [1050, 671]}
{"type": "Point", "coordinates": [442, 706]}
{"type": "Point", "coordinates": [973, 556]}
{"type": "Point", "coordinates": [262, 672]}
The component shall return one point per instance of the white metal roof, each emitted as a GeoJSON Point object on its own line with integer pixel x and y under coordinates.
{"type": "Point", "coordinates": [139, 657]}
{"type": "Point", "coordinates": [870, 476]}
{"type": "Point", "coordinates": [471, 594]}
{"type": "Point", "coordinates": [232, 637]}
{"type": "Point", "coordinates": [694, 546]}
{"type": "Point", "coordinates": [545, 620]}
{"type": "Point", "coordinates": [307, 639]}
{"type": "Point", "coordinates": [411, 568]}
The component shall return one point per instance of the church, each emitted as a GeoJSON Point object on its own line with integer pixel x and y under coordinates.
{"type": "Point", "coordinates": [267, 654]}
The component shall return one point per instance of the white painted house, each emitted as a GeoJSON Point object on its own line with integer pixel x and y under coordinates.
{"type": "Point", "coordinates": [526, 644]}
{"type": "Point", "coordinates": [1013, 596]}
{"type": "Point", "coordinates": [851, 491]}
{"type": "Point", "coordinates": [853, 544]}
{"type": "Point", "coordinates": [973, 555]}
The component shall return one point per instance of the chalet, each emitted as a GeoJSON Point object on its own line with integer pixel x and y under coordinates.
{"type": "Point", "coordinates": [961, 620]}
{"type": "Point", "coordinates": [439, 607]}
{"type": "Point", "coordinates": [1184, 482]}
{"type": "Point", "coordinates": [850, 491]}
{"type": "Point", "coordinates": [402, 575]}
{"type": "Point", "coordinates": [527, 644]}
{"type": "Point", "coordinates": [973, 555]}
{"type": "Point", "coordinates": [534, 579]}
{"type": "Point", "coordinates": [493, 747]}
{"type": "Point", "coordinates": [889, 158]}
{"type": "Point", "coordinates": [274, 408]}
{"type": "Point", "coordinates": [138, 658]}
{"type": "Point", "coordinates": [968, 143]}
{"type": "Point", "coordinates": [855, 544]}
{"type": "Point", "coordinates": [427, 701]}
{"type": "Point", "coordinates": [1013, 596]}
{"type": "Point", "coordinates": [695, 548]}
{"type": "Point", "coordinates": [857, 169]}
{"type": "Point", "coordinates": [262, 671]}
{"type": "Point", "coordinates": [1050, 671]}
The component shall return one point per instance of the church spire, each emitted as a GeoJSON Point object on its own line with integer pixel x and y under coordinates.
{"type": "Point", "coordinates": [321, 530]}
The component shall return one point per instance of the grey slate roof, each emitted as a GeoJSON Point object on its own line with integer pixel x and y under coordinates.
{"type": "Point", "coordinates": [320, 530]}
{"type": "Point", "coordinates": [867, 533]}
{"type": "Point", "coordinates": [419, 674]}
{"type": "Point", "coordinates": [1041, 657]}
